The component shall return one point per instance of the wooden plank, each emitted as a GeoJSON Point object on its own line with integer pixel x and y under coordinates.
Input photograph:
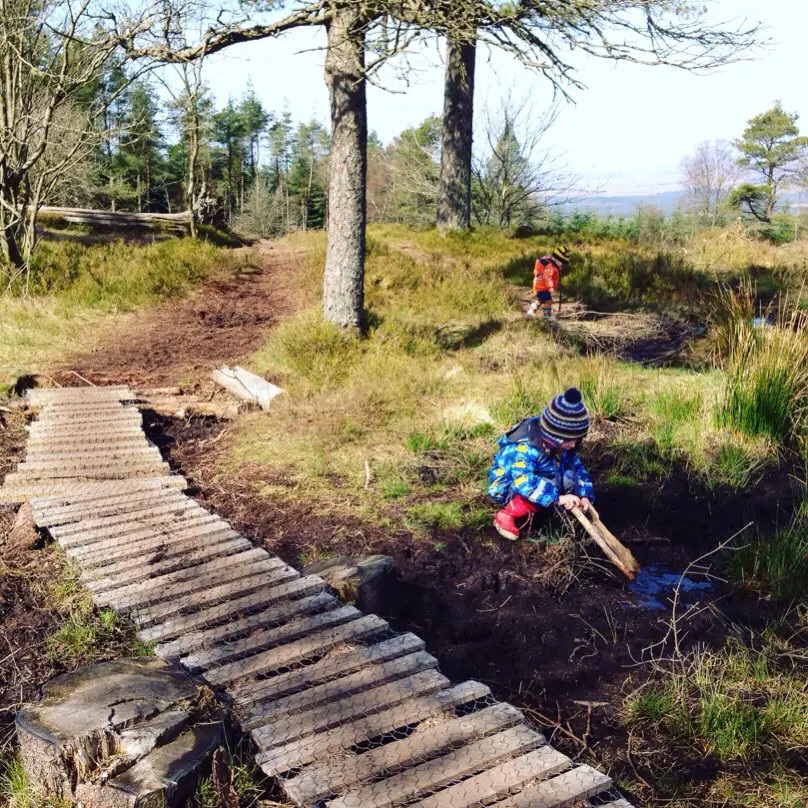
{"type": "Point", "coordinates": [156, 590]}
{"type": "Point", "coordinates": [102, 579]}
{"type": "Point", "coordinates": [101, 473]}
{"type": "Point", "coordinates": [49, 395]}
{"type": "Point", "coordinates": [108, 432]}
{"type": "Point", "coordinates": [87, 416]}
{"type": "Point", "coordinates": [175, 626]}
{"type": "Point", "coordinates": [234, 629]}
{"type": "Point", "coordinates": [135, 439]}
{"type": "Point", "coordinates": [166, 543]}
{"type": "Point", "coordinates": [164, 509]}
{"type": "Point", "coordinates": [69, 429]}
{"type": "Point", "coordinates": [28, 490]}
{"type": "Point", "coordinates": [294, 652]}
{"type": "Point", "coordinates": [63, 413]}
{"type": "Point", "coordinates": [278, 761]}
{"type": "Point", "coordinates": [150, 589]}
{"type": "Point", "coordinates": [341, 688]}
{"type": "Point", "coordinates": [196, 524]}
{"type": "Point", "coordinates": [92, 492]}
{"type": "Point", "coordinates": [435, 774]}
{"type": "Point", "coordinates": [566, 789]}
{"type": "Point", "coordinates": [327, 779]}
{"type": "Point", "coordinates": [486, 787]}
{"type": "Point", "coordinates": [67, 468]}
{"type": "Point", "coordinates": [268, 638]}
{"type": "Point", "coordinates": [182, 603]}
{"type": "Point", "coordinates": [335, 664]}
{"type": "Point", "coordinates": [138, 498]}
{"type": "Point", "coordinates": [84, 454]}
{"type": "Point", "coordinates": [322, 719]}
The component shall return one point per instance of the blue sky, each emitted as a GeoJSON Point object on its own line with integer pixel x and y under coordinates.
{"type": "Point", "coordinates": [626, 133]}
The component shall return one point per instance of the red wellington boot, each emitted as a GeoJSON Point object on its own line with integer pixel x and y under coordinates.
{"type": "Point", "coordinates": [505, 520]}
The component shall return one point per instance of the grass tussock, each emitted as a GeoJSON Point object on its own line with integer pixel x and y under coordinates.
{"type": "Point", "coordinates": [743, 707]}
{"type": "Point", "coordinates": [17, 791]}
{"type": "Point", "coordinates": [766, 356]}
{"type": "Point", "coordinates": [84, 633]}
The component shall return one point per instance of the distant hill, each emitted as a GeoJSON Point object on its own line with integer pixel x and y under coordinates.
{"type": "Point", "coordinates": [625, 205]}
{"type": "Point", "coordinates": [667, 201]}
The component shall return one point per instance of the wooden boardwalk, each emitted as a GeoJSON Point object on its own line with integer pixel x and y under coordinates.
{"type": "Point", "coordinates": [342, 710]}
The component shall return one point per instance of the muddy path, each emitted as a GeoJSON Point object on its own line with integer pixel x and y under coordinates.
{"type": "Point", "coordinates": [183, 340]}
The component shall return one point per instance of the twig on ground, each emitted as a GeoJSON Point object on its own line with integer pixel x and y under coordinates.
{"type": "Point", "coordinates": [79, 376]}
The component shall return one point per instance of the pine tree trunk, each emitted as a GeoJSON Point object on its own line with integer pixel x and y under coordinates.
{"type": "Point", "coordinates": [343, 278]}
{"type": "Point", "coordinates": [454, 189]}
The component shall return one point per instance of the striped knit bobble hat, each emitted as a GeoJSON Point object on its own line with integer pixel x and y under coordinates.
{"type": "Point", "coordinates": [565, 417]}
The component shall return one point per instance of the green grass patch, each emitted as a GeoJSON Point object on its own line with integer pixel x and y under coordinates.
{"type": "Point", "coordinates": [776, 563]}
{"type": "Point", "coordinates": [17, 791]}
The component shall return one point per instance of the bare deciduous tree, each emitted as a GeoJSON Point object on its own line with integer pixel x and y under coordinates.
{"type": "Point", "coordinates": [51, 52]}
{"type": "Point", "coordinates": [515, 177]}
{"type": "Point", "coordinates": [709, 175]}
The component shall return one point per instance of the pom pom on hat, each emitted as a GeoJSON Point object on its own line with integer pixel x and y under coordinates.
{"type": "Point", "coordinates": [565, 417]}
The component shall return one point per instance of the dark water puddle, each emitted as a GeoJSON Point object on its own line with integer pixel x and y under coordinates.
{"type": "Point", "coordinates": [654, 587]}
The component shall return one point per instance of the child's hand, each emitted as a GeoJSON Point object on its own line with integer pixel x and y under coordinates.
{"type": "Point", "coordinates": [569, 501]}
{"type": "Point", "coordinates": [586, 505]}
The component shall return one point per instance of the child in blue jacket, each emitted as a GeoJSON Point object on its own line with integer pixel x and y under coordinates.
{"type": "Point", "coordinates": [536, 465]}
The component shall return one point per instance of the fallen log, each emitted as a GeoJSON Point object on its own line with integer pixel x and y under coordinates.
{"type": "Point", "coordinates": [603, 544]}
{"type": "Point", "coordinates": [247, 386]}
{"type": "Point", "coordinates": [183, 406]}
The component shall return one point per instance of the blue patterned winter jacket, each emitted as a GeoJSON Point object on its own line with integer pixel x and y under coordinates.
{"type": "Point", "coordinates": [524, 465]}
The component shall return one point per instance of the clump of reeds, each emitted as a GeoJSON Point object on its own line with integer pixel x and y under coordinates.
{"type": "Point", "coordinates": [765, 353]}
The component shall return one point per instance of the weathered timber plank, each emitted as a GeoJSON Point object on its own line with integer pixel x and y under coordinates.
{"type": "Point", "coordinates": [164, 509]}
{"type": "Point", "coordinates": [51, 395]}
{"type": "Point", "coordinates": [79, 454]}
{"type": "Point", "coordinates": [133, 466]}
{"type": "Point", "coordinates": [502, 779]}
{"type": "Point", "coordinates": [264, 597]}
{"type": "Point", "coordinates": [18, 478]}
{"type": "Point", "coordinates": [102, 579]}
{"type": "Point", "coordinates": [278, 761]}
{"type": "Point", "coordinates": [268, 638]}
{"type": "Point", "coordinates": [435, 774]}
{"type": "Point", "coordinates": [180, 604]}
{"type": "Point", "coordinates": [319, 783]}
{"type": "Point", "coordinates": [134, 440]}
{"type": "Point", "coordinates": [161, 591]}
{"type": "Point", "coordinates": [293, 652]}
{"type": "Point", "coordinates": [91, 492]}
{"type": "Point", "coordinates": [150, 589]}
{"type": "Point", "coordinates": [341, 688]}
{"type": "Point", "coordinates": [375, 700]}
{"type": "Point", "coordinates": [236, 628]}
{"type": "Point", "coordinates": [27, 491]}
{"type": "Point", "coordinates": [168, 544]}
{"type": "Point", "coordinates": [336, 664]}
{"type": "Point", "coordinates": [144, 535]}
{"type": "Point", "coordinates": [568, 788]}
{"type": "Point", "coordinates": [140, 496]}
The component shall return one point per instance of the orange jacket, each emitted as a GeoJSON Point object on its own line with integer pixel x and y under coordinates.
{"type": "Point", "coordinates": [545, 275]}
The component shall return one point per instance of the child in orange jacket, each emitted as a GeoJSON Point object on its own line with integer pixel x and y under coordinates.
{"type": "Point", "coordinates": [545, 280]}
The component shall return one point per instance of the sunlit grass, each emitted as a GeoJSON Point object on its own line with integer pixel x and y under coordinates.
{"type": "Point", "coordinates": [75, 291]}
